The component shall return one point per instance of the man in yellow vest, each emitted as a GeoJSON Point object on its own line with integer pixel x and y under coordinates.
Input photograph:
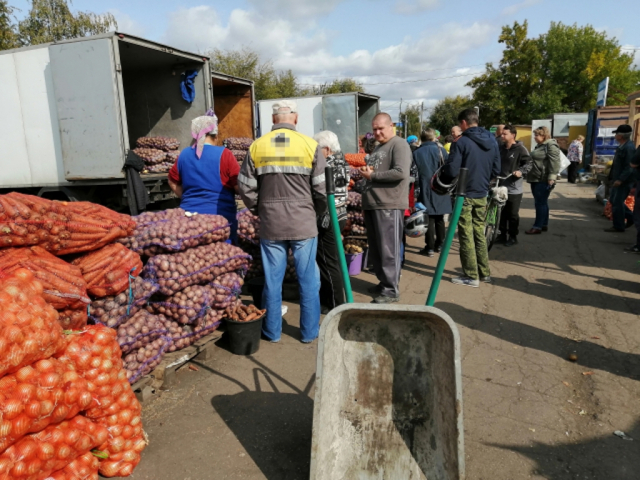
{"type": "Point", "coordinates": [282, 181]}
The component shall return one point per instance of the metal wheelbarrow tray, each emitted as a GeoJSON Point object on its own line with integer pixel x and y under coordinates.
{"type": "Point", "coordinates": [388, 402]}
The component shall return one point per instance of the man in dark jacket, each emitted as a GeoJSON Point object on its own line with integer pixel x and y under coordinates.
{"type": "Point", "coordinates": [621, 177]}
{"type": "Point", "coordinates": [477, 151]}
{"type": "Point", "coordinates": [428, 158]}
{"type": "Point", "coordinates": [515, 161]}
{"type": "Point", "coordinates": [635, 163]}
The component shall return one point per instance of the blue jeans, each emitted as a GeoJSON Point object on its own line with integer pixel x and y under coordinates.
{"type": "Point", "coordinates": [619, 211]}
{"type": "Point", "coordinates": [274, 261]}
{"type": "Point", "coordinates": [541, 192]}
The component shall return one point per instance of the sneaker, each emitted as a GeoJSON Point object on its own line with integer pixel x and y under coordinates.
{"type": "Point", "coordinates": [613, 230]}
{"type": "Point", "coordinates": [430, 253]}
{"type": "Point", "coordinates": [307, 341]}
{"type": "Point", "coordinates": [511, 242]}
{"type": "Point", "coordinates": [375, 290]}
{"type": "Point", "coordinates": [486, 279]}
{"type": "Point", "coordinates": [501, 239]}
{"type": "Point", "coordinates": [634, 249]}
{"type": "Point", "coordinates": [466, 281]}
{"type": "Point", "coordinates": [385, 299]}
{"type": "Point", "coordinates": [438, 249]}
{"type": "Point", "coordinates": [424, 251]}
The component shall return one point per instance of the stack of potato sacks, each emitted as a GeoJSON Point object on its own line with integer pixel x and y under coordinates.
{"type": "Point", "coordinates": [355, 225]}
{"type": "Point", "coordinates": [239, 146]}
{"type": "Point", "coordinates": [67, 411]}
{"type": "Point", "coordinates": [158, 153]}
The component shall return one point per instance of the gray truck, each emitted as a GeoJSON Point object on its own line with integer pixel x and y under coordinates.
{"type": "Point", "coordinates": [73, 110]}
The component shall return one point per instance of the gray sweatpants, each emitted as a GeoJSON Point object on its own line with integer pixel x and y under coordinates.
{"type": "Point", "coordinates": [384, 235]}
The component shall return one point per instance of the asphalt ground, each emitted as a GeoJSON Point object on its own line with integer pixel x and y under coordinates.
{"type": "Point", "coordinates": [529, 412]}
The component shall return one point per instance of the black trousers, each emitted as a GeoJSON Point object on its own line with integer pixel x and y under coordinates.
{"type": "Point", "coordinates": [435, 234]}
{"type": "Point", "coordinates": [510, 218]}
{"type": "Point", "coordinates": [572, 172]}
{"type": "Point", "coordinates": [331, 283]}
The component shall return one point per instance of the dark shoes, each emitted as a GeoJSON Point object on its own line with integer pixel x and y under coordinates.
{"type": "Point", "coordinates": [501, 239]}
{"type": "Point", "coordinates": [634, 249]}
{"type": "Point", "coordinates": [466, 281]}
{"type": "Point", "coordinates": [383, 299]}
{"type": "Point", "coordinates": [511, 242]}
{"type": "Point", "coordinates": [544, 229]}
{"type": "Point", "coordinates": [533, 231]}
{"type": "Point", "coordinates": [613, 230]}
{"type": "Point", "coordinates": [375, 290]}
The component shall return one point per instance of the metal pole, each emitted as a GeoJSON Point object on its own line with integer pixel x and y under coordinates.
{"type": "Point", "coordinates": [333, 213]}
{"type": "Point", "coordinates": [421, 111]}
{"type": "Point", "coordinates": [451, 231]}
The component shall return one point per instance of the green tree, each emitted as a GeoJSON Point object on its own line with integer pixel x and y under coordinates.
{"type": "Point", "coordinates": [8, 30]}
{"type": "Point", "coordinates": [339, 85]}
{"type": "Point", "coordinates": [445, 114]}
{"type": "Point", "coordinates": [557, 72]}
{"type": "Point", "coordinates": [53, 20]}
{"type": "Point", "coordinates": [411, 117]}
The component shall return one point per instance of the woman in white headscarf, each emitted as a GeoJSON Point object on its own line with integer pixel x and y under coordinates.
{"type": "Point", "coordinates": [205, 176]}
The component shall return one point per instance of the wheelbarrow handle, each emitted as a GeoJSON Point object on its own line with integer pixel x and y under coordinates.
{"type": "Point", "coordinates": [333, 214]}
{"type": "Point", "coordinates": [451, 231]}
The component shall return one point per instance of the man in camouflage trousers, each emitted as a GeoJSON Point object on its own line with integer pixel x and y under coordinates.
{"type": "Point", "coordinates": [477, 151]}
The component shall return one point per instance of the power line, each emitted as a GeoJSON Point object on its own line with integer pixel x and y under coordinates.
{"type": "Point", "coordinates": [403, 81]}
{"type": "Point", "coordinates": [392, 74]}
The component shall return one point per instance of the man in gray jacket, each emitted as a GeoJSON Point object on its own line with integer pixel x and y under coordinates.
{"type": "Point", "coordinates": [282, 181]}
{"type": "Point", "coordinates": [384, 199]}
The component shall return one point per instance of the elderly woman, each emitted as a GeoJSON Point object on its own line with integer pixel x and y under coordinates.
{"type": "Point", "coordinates": [545, 167]}
{"type": "Point", "coordinates": [205, 176]}
{"type": "Point", "coordinates": [575, 157]}
{"type": "Point", "coordinates": [331, 284]}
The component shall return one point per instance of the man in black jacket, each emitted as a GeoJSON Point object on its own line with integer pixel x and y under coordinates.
{"type": "Point", "coordinates": [516, 161]}
{"type": "Point", "coordinates": [477, 151]}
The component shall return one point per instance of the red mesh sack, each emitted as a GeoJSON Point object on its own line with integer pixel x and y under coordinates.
{"type": "Point", "coordinates": [107, 270]}
{"type": "Point", "coordinates": [29, 328]}
{"type": "Point", "coordinates": [96, 355]}
{"type": "Point", "coordinates": [64, 287]}
{"type": "Point", "coordinates": [61, 228]}
{"type": "Point", "coordinates": [36, 456]}
{"type": "Point", "coordinates": [84, 467]}
{"type": "Point", "coordinates": [38, 395]}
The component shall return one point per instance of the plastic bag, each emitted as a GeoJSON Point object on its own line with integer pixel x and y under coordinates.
{"type": "Point", "coordinates": [29, 328]}
{"type": "Point", "coordinates": [85, 467]}
{"type": "Point", "coordinates": [177, 233]}
{"type": "Point", "coordinates": [248, 227]}
{"type": "Point", "coordinates": [107, 271]}
{"type": "Point", "coordinates": [355, 159]}
{"type": "Point", "coordinates": [38, 455]}
{"type": "Point", "coordinates": [113, 311]}
{"type": "Point", "coordinates": [38, 395]}
{"type": "Point", "coordinates": [200, 265]}
{"type": "Point", "coordinates": [61, 228]}
{"type": "Point", "coordinates": [64, 286]}
{"type": "Point", "coordinates": [599, 193]}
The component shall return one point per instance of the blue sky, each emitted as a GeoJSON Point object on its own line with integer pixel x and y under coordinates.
{"type": "Point", "coordinates": [405, 40]}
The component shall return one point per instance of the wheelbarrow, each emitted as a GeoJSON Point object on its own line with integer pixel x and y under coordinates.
{"type": "Point", "coordinates": [388, 401]}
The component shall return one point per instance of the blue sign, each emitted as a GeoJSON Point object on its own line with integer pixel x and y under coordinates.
{"type": "Point", "coordinates": [603, 90]}
{"type": "Point", "coordinates": [399, 124]}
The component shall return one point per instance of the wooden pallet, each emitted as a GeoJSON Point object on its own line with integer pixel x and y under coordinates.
{"type": "Point", "coordinates": [164, 375]}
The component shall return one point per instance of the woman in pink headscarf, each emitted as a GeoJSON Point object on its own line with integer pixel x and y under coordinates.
{"type": "Point", "coordinates": [205, 176]}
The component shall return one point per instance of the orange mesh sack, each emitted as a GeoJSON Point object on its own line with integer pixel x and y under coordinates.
{"type": "Point", "coordinates": [61, 228]}
{"type": "Point", "coordinates": [29, 328]}
{"type": "Point", "coordinates": [84, 467]}
{"type": "Point", "coordinates": [38, 395]}
{"type": "Point", "coordinates": [36, 456]}
{"type": "Point", "coordinates": [107, 270]}
{"type": "Point", "coordinates": [126, 440]}
{"type": "Point", "coordinates": [355, 159]}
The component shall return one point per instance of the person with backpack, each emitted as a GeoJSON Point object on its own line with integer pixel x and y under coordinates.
{"type": "Point", "coordinates": [429, 157]}
{"type": "Point", "coordinates": [545, 167]}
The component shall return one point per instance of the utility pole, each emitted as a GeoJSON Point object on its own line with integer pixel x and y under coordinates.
{"type": "Point", "coordinates": [421, 111]}
{"type": "Point", "coordinates": [406, 120]}
{"type": "Point", "coordinates": [400, 114]}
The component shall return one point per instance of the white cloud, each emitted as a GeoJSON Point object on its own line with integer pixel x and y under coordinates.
{"type": "Point", "coordinates": [126, 24]}
{"type": "Point", "coordinates": [513, 9]}
{"type": "Point", "coordinates": [410, 7]}
{"type": "Point", "coordinates": [633, 50]}
{"type": "Point", "coordinates": [294, 8]}
{"type": "Point", "coordinates": [307, 51]}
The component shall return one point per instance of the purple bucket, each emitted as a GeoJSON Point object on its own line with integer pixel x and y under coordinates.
{"type": "Point", "coordinates": [354, 263]}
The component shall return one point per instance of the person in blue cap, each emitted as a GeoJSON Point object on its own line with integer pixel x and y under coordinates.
{"type": "Point", "coordinates": [412, 140]}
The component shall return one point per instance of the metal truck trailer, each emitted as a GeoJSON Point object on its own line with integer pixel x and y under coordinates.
{"type": "Point", "coordinates": [72, 110]}
{"type": "Point", "coordinates": [348, 115]}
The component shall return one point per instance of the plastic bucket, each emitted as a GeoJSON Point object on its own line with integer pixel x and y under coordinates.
{"type": "Point", "coordinates": [354, 263]}
{"type": "Point", "coordinates": [244, 337]}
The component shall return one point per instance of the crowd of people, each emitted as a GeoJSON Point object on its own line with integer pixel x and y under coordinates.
{"type": "Point", "coordinates": [282, 180]}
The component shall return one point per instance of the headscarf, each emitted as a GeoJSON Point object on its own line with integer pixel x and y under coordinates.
{"type": "Point", "coordinates": [200, 127]}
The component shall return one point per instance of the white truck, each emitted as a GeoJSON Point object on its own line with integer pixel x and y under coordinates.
{"type": "Point", "coordinates": [348, 115]}
{"type": "Point", "coordinates": [73, 110]}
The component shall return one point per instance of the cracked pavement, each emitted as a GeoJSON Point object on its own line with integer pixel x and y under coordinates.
{"type": "Point", "coordinates": [529, 412]}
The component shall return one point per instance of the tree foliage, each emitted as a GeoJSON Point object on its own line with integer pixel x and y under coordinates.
{"type": "Point", "coordinates": [8, 30]}
{"type": "Point", "coordinates": [53, 20]}
{"type": "Point", "coordinates": [445, 114]}
{"type": "Point", "coordinates": [339, 85]}
{"type": "Point", "coordinates": [558, 71]}
{"type": "Point", "coordinates": [411, 117]}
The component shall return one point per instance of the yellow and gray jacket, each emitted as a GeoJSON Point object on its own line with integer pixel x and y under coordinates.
{"type": "Point", "coordinates": [282, 181]}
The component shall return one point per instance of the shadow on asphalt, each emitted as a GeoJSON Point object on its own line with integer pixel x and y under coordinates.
{"type": "Point", "coordinates": [604, 457]}
{"type": "Point", "coordinates": [273, 427]}
{"type": "Point", "coordinates": [590, 355]}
